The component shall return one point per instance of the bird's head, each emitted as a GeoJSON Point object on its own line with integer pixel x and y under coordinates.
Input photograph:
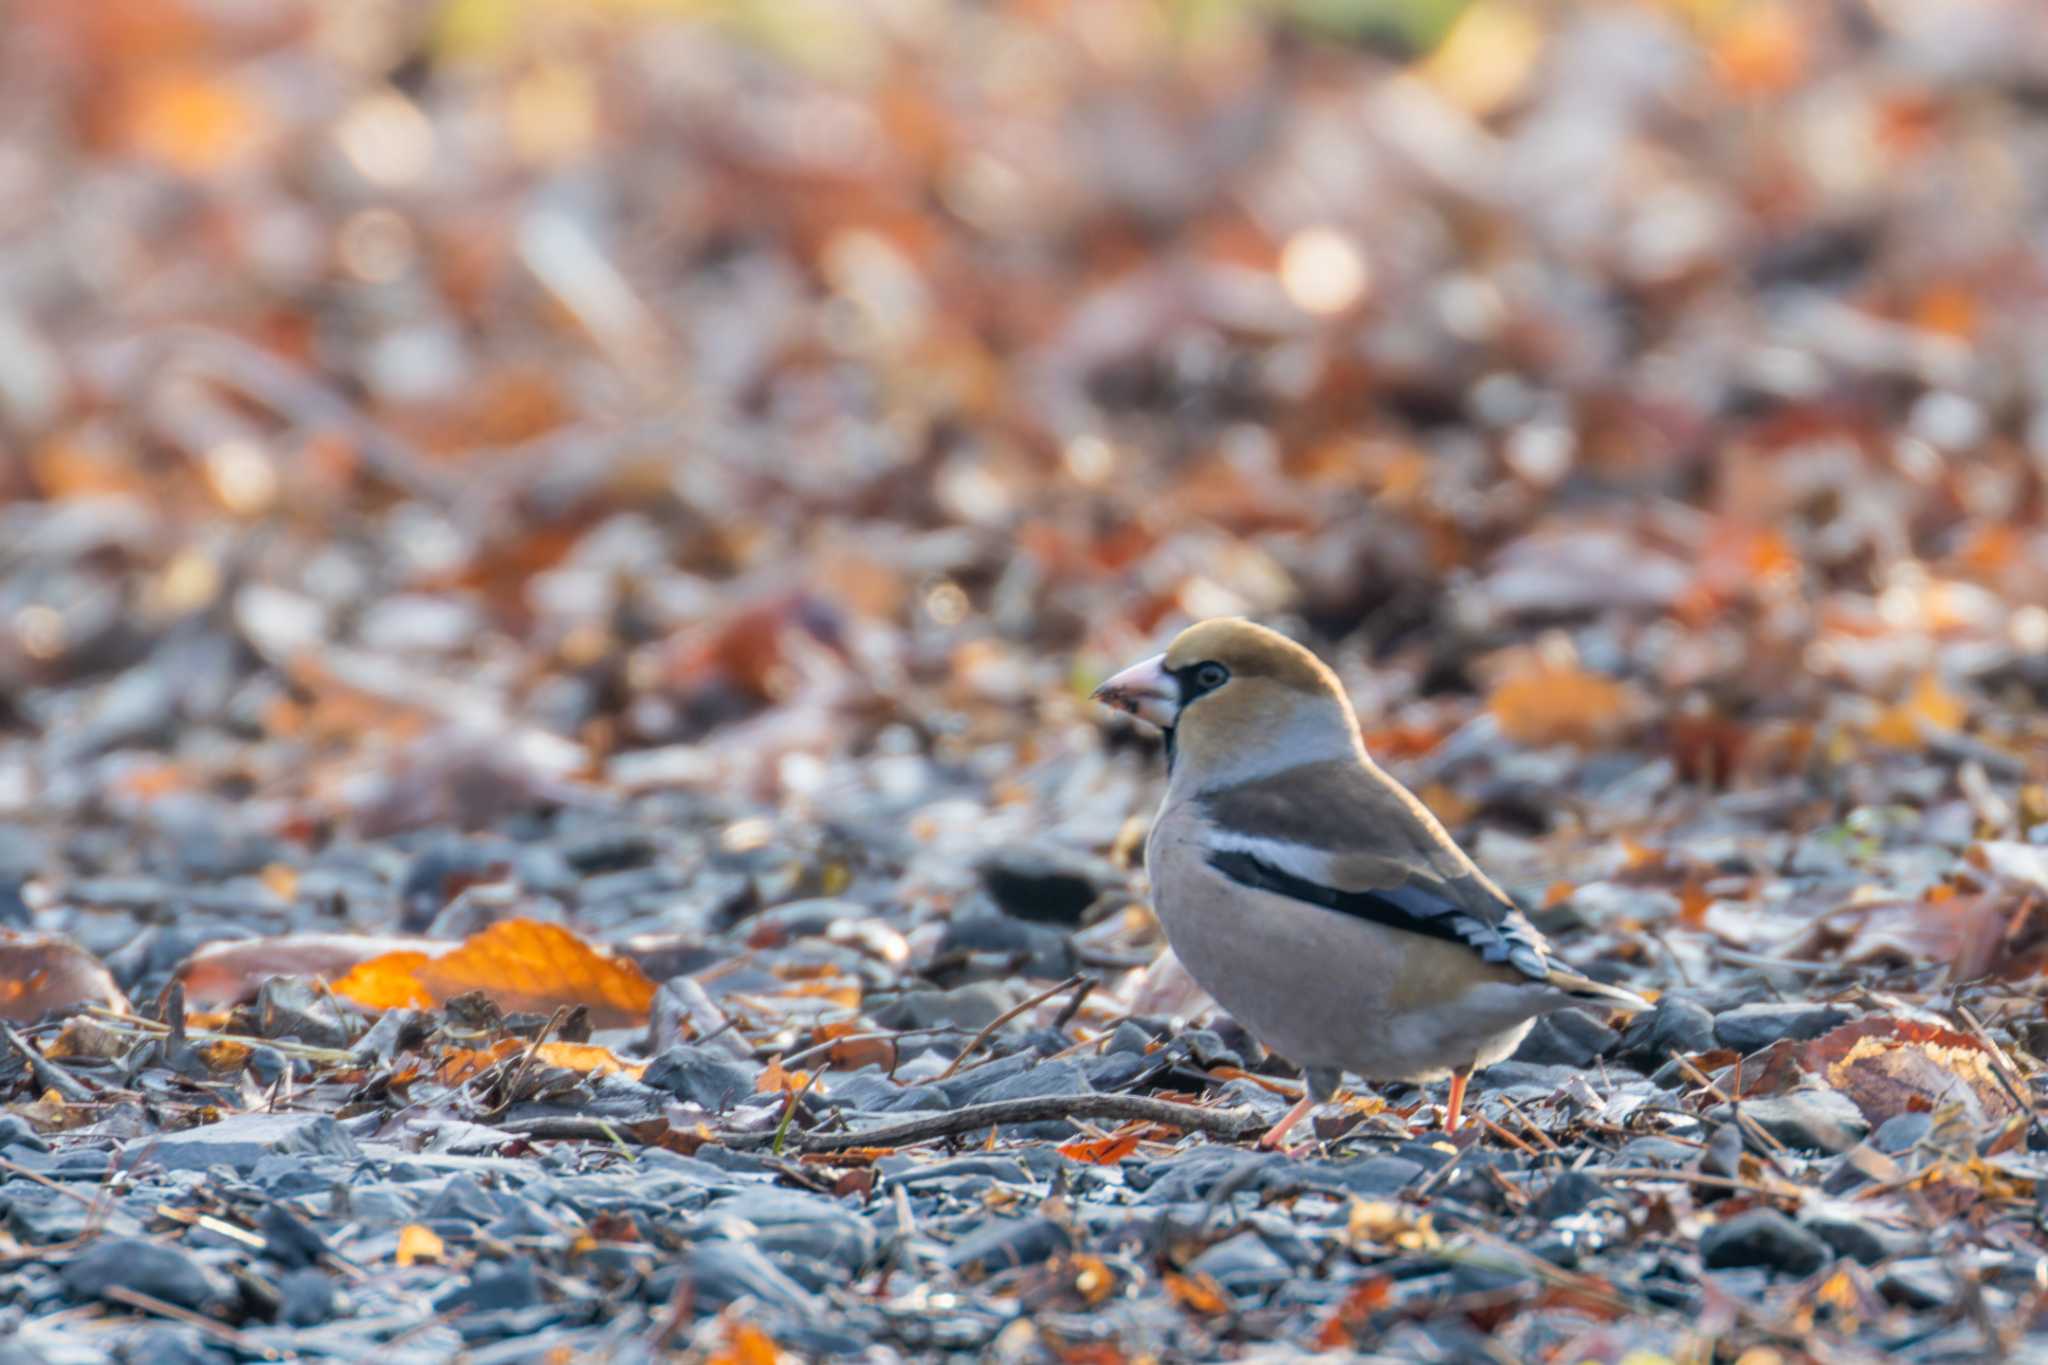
{"type": "Point", "coordinates": [1236, 700]}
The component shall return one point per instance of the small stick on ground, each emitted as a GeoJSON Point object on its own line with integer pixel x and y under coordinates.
{"type": "Point", "coordinates": [149, 1303]}
{"type": "Point", "coordinates": [48, 1074]}
{"type": "Point", "coordinates": [1005, 1017]}
{"type": "Point", "coordinates": [1231, 1124]}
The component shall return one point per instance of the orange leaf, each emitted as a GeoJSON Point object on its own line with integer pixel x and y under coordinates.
{"type": "Point", "coordinates": [417, 1243]}
{"type": "Point", "coordinates": [1905, 726]}
{"type": "Point", "coordinates": [1355, 1312]}
{"type": "Point", "coordinates": [387, 983]}
{"type": "Point", "coordinates": [466, 1062]}
{"type": "Point", "coordinates": [1102, 1151]}
{"type": "Point", "coordinates": [588, 1057]}
{"type": "Point", "coordinates": [1197, 1293]}
{"type": "Point", "coordinates": [232, 971]}
{"type": "Point", "coordinates": [193, 123]}
{"type": "Point", "coordinates": [774, 1078]}
{"type": "Point", "coordinates": [1560, 705]}
{"type": "Point", "coordinates": [747, 1345]}
{"type": "Point", "coordinates": [521, 965]}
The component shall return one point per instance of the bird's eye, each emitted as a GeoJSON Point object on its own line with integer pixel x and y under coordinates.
{"type": "Point", "coordinates": [1209, 677]}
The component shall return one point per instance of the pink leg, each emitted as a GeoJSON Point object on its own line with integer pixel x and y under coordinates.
{"type": "Point", "coordinates": [1277, 1134]}
{"type": "Point", "coordinates": [1456, 1104]}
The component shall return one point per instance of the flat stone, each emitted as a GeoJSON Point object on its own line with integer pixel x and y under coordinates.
{"type": "Point", "coordinates": [1900, 1132]}
{"type": "Point", "coordinates": [703, 1076]}
{"type": "Point", "coordinates": [1006, 1243]}
{"type": "Point", "coordinates": [969, 1008]}
{"type": "Point", "coordinates": [1851, 1234]}
{"type": "Point", "coordinates": [1922, 1283]}
{"type": "Point", "coordinates": [1566, 1038]}
{"type": "Point", "coordinates": [804, 1232]}
{"type": "Point", "coordinates": [1750, 1028]}
{"type": "Point", "coordinates": [1244, 1265]}
{"type": "Point", "coordinates": [152, 1268]}
{"type": "Point", "coordinates": [1046, 883]}
{"type": "Point", "coordinates": [1571, 1192]}
{"type": "Point", "coordinates": [722, 1272]}
{"type": "Point", "coordinates": [1048, 1078]}
{"type": "Point", "coordinates": [1763, 1237]}
{"type": "Point", "coordinates": [508, 1287]}
{"type": "Point", "coordinates": [1811, 1120]}
{"type": "Point", "coordinates": [1674, 1025]}
{"type": "Point", "coordinates": [289, 1239]}
{"type": "Point", "coordinates": [307, 1298]}
{"type": "Point", "coordinates": [241, 1140]}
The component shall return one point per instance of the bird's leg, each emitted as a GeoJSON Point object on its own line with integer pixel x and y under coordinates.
{"type": "Point", "coordinates": [1277, 1134]}
{"type": "Point", "coordinates": [1456, 1104]}
{"type": "Point", "coordinates": [1318, 1084]}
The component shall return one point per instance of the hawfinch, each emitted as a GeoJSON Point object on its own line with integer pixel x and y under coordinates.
{"type": "Point", "coordinates": [1311, 894]}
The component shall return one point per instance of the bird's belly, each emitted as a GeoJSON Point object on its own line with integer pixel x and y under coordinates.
{"type": "Point", "coordinates": [1324, 989]}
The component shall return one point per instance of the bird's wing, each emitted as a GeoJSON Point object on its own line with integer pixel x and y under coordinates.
{"type": "Point", "coordinates": [1345, 836]}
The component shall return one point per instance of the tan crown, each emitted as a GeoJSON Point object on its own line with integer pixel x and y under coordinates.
{"type": "Point", "coordinates": [1282, 704]}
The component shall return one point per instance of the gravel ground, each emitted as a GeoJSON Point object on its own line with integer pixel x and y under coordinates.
{"type": "Point", "coordinates": [552, 558]}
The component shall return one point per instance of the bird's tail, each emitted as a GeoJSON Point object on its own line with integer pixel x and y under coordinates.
{"type": "Point", "coordinates": [1596, 992]}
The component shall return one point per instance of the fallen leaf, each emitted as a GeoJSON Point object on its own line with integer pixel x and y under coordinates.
{"type": "Point", "coordinates": [44, 972]}
{"type": "Point", "coordinates": [775, 1078]}
{"type": "Point", "coordinates": [746, 1344]}
{"type": "Point", "coordinates": [1352, 1317]}
{"type": "Point", "coordinates": [588, 1057]}
{"type": "Point", "coordinates": [390, 982]}
{"type": "Point", "coordinates": [520, 964]}
{"type": "Point", "coordinates": [1102, 1151]}
{"type": "Point", "coordinates": [231, 972]}
{"type": "Point", "coordinates": [1559, 704]}
{"type": "Point", "coordinates": [1887, 1066]}
{"type": "Point", "coordinates": [1930, 709]}
{"type": "Point", "coordinates": [2004, 936]}
{"type": "Point", "coordinates": [419, 1244]}
{"type": "Point", "coordinates": [1198, 1293]}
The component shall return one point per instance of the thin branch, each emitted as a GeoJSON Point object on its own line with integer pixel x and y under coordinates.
{"type": "Point", "coordinates": [47, 1073]}
{"type": "Point", "coordinates": [1230, 1124]}
{"type": "Point", "coordinates": [1001, 1019]}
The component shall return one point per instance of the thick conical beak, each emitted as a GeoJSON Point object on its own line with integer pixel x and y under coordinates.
{"type": "Point", "coordinates": [1146, 690]}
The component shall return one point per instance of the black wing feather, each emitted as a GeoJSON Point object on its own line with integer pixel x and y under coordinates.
{"type": "Point", "coordinates": [1413, 909]}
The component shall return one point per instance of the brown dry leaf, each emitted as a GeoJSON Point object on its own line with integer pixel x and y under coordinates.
{"type": "Point", "coordinates": [85, 1036]}
{"type": "Point", "coordinates": [862, 1051]}
{"type": "Point", "coordinates": [775, 1078]}
{"type": "Point", "coordinates": [1102, 1151]}
{"type": "Point", "coordinates": [1763, 49]}
{"type": "Point", "coordinates": [1930, 708]}
{"type": "Point", "coordinates": [463, 1063]}
{"type": "Point", "coordinates": [1562, 705]}
{"type": "Point", "coordinates": [588, 1057]}
{"type": "Point", "coordinates": [221, 975]}
{"type": "Point", "coordinates": [520, 964]}
{"type": "Point", "coordinates": [1094, 1281]}
{"type": "Point", "coordinates": [1997, 935]}
{"type": "Point", "coordinates": [50, 1114]}
{"type": "Point", "coordinates": [193, 122]}
{"type": "Point", "coordinates": [1885, 1066]}
{"type": "Point", "coordinates": [1893, 1066]}
{"type": "Point", "coordinates": [747, 1344]}
{"type": "Point", "coordinates": [1198, 1293]}
{"type": "Point", "coordinates": [418, 1243]}
{"type": "Point", "coordinates": [1355, 1313]}
{"type": "Point", "coordinates": [44, 972]}
{"type": "Point", "coordinates": [1376, 1222]}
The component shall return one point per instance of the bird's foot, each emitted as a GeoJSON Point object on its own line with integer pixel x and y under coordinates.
{"type": "Point", "coordinates": [1273, 1137]}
